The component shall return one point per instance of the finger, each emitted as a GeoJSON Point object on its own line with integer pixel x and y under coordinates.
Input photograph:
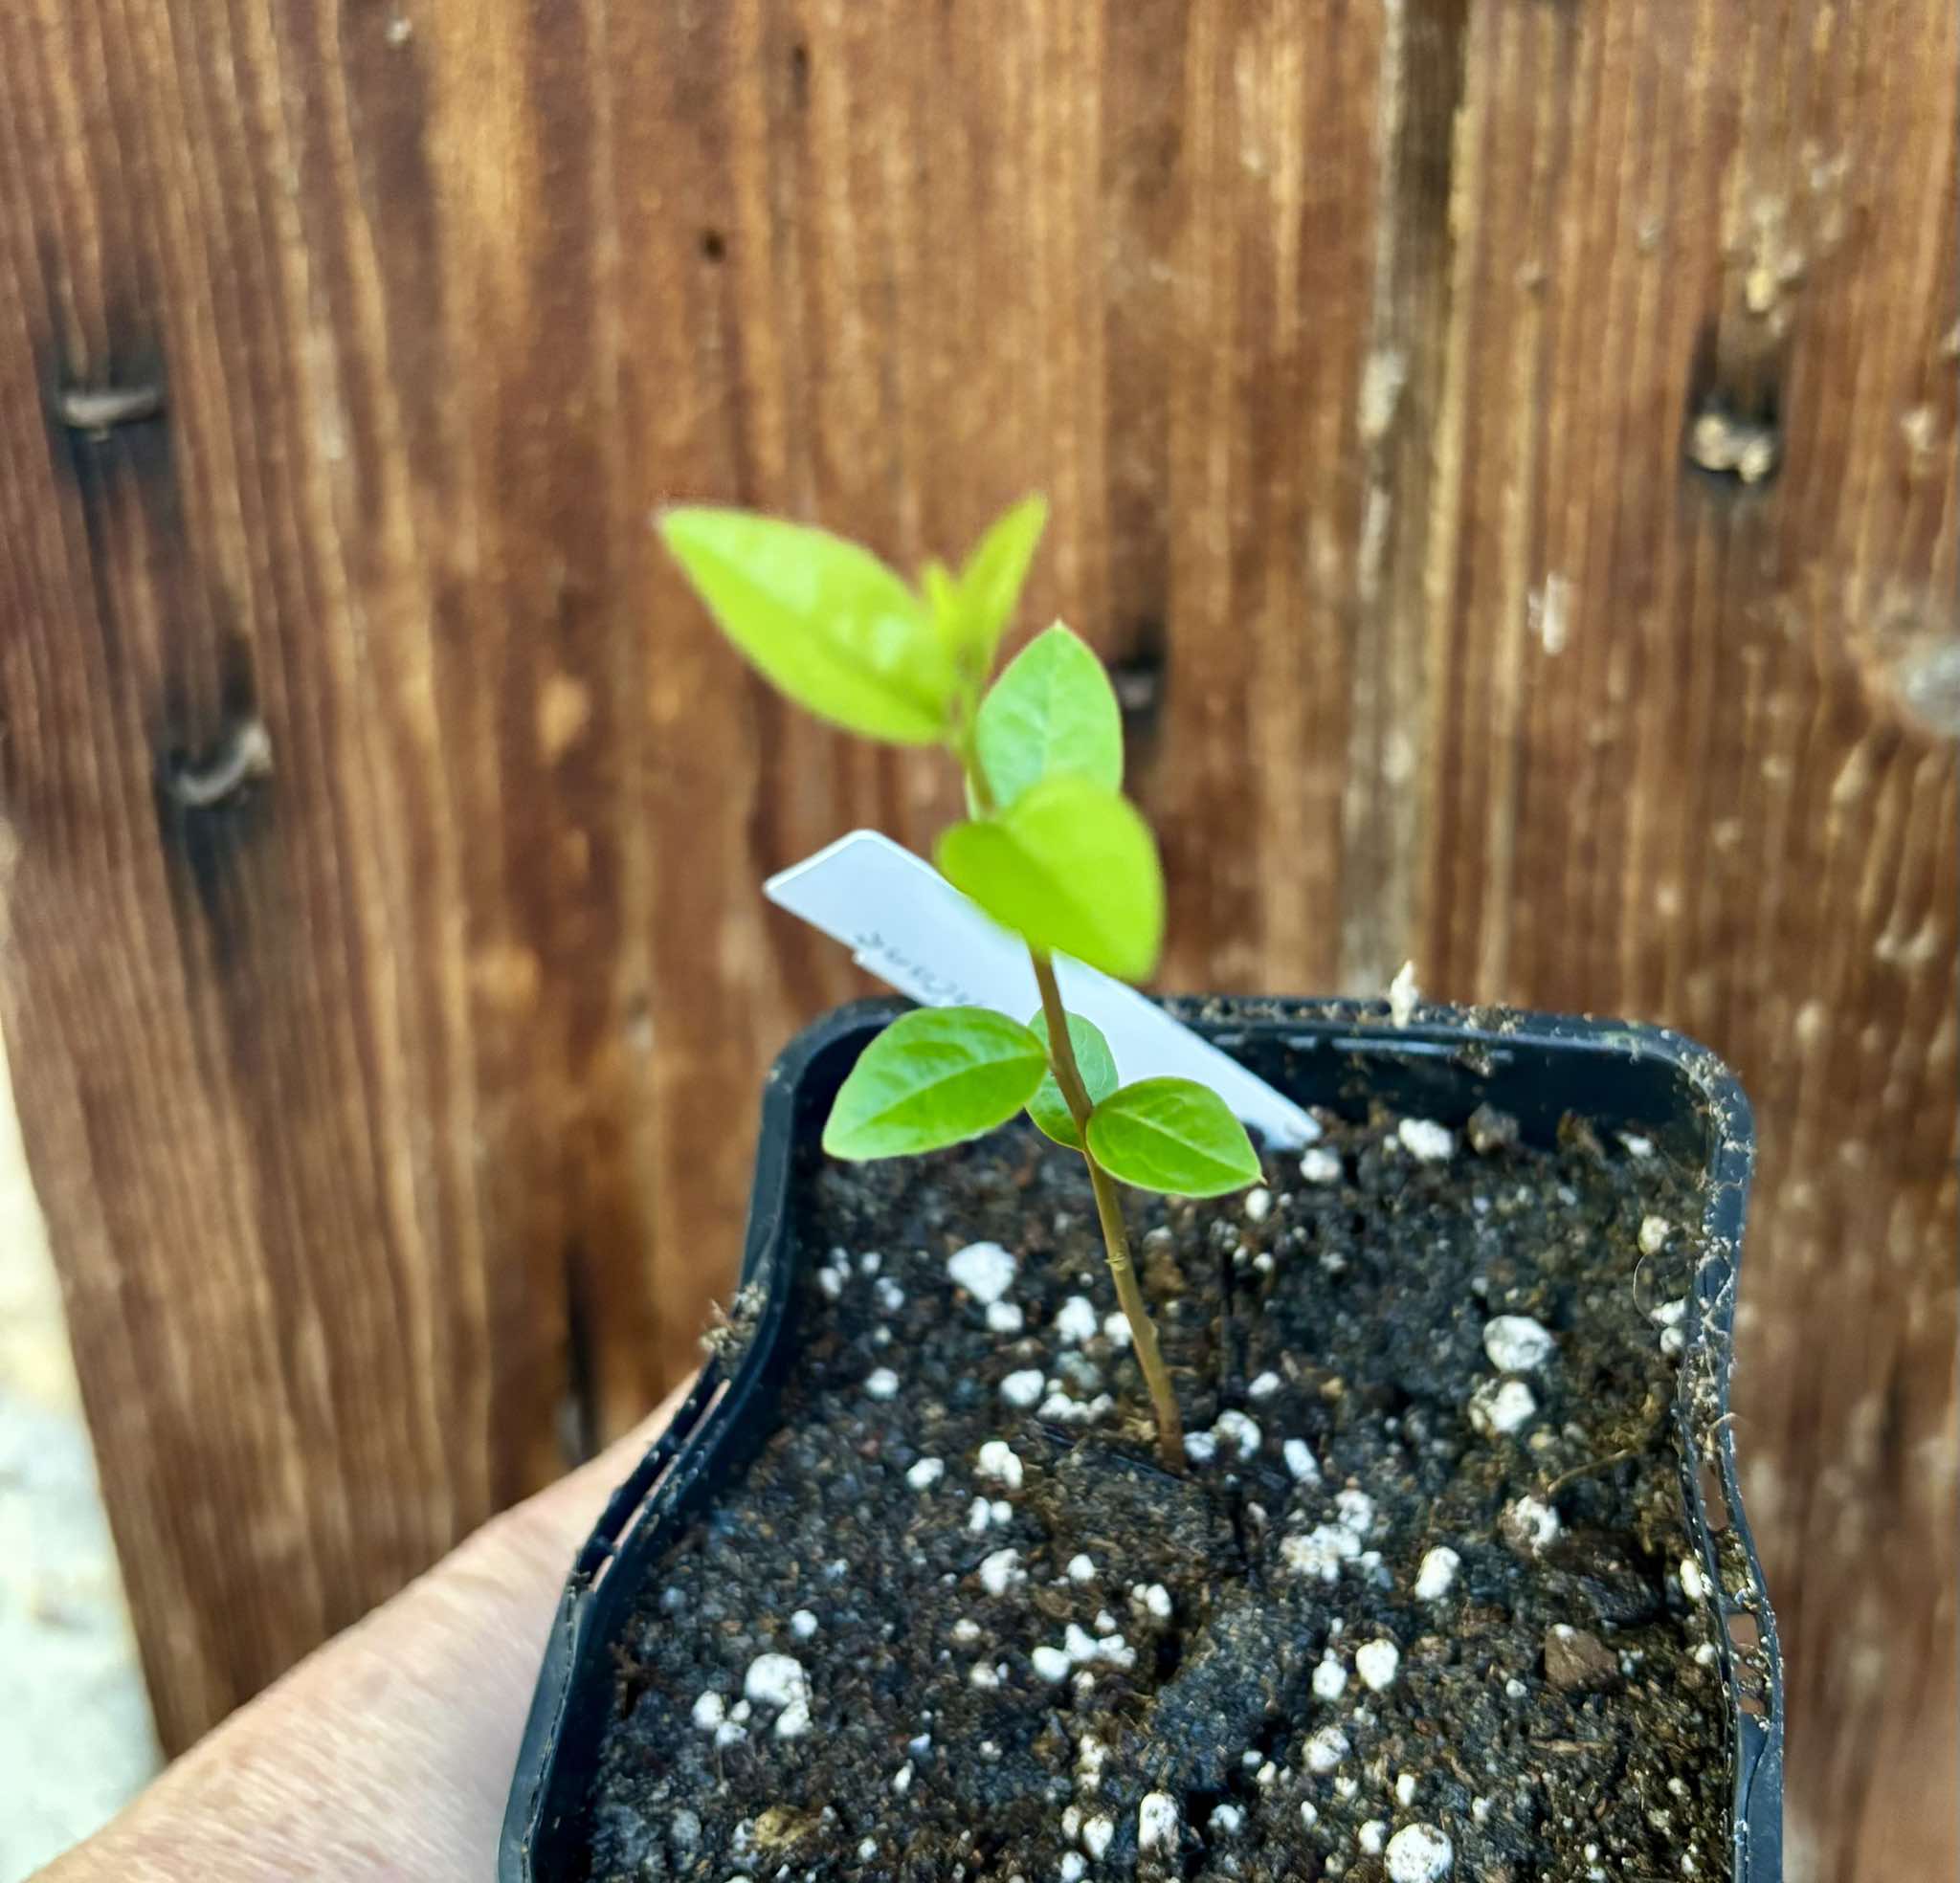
{"type": "Point", "coordinates": [388, 1753]}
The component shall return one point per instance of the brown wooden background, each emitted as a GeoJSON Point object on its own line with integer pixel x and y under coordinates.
{"type": "Point", "coordinates": [391, 1107]}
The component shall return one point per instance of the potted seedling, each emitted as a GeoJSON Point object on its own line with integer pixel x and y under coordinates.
{"type": "Point", "coordinates": [1078, 1489]}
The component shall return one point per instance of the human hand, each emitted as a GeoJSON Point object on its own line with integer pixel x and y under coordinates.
{"type": "Point", "coordinates": [388, 1753]}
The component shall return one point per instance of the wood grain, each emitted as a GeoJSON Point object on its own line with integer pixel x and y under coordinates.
{"type": "Point", "coordinates": [385, 976]}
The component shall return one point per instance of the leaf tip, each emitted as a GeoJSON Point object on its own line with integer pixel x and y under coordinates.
{"type": "Point", "coordinates": [672, 521]}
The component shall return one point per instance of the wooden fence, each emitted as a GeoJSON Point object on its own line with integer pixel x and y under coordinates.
{"type": "Point", "coordinates": [1507, 449]}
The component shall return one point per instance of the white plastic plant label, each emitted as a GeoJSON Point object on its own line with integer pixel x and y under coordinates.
{"type": "Point", "coordinates": [905, 923]}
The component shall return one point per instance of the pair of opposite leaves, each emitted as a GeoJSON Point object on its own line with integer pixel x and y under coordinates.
{"type": "Point", "coordinates": [1059, 855]}
{"type": "Point", "coordinates": [947, 1074]}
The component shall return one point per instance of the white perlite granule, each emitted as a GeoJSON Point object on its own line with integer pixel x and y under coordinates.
{"type": "Point", "coordinates": [1326, 1749]}
{"type": "Point", "coordinates": [882, 1383]}
{"type": "Point", "coordinates": [1426, 1141]}
{"type": "Point", "coordinates": [1075, 1320]}
{"type": "Point", "coordinates": [1000, 1571]}
{"type": "Point", "coordinates": [1321, 1551]}
{"type": "Point", "coordinates": [1023, 1387]}
{"type": "Point", "coordinates": [1051, 1664]}
{"type": "Point", "coordinates": [1419, 1853]}
{"type": "Point", "coordinates": [1085, 1650]}
{"type": "Point", "coordinates": [778, 1680]}
{"type": "Point", "coordinates": [1403, 995]}
{"type": "Point", "coordinates": [984, 1270]}
{"type": "Point", "coordinates": [998, 1460]}
{"type": "Point", "coordinates": [1064, 1411]}
{"type": "Point", "coordinates": [1234, 1429]}
{"type": "Point", "coordinates": [1376, 1662]}
{"type": "Point", "coordinates": [1516, 1344]}
{"type": "Point", "coordinates": [1437, 1574]}
{"type": "Point", "coordinates": [1320, 1166]}
{"type": "Point", "coordinates": [925, 1473]}
{"type": "Point", "coordinates": [1501, 1406]}
{"type": "Point", "coordinates": [1529, 1524]}
{"type": "Point", "coordinates": [1157, 1822]}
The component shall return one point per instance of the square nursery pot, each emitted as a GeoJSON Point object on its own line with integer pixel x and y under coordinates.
{"type": "Point", "coordinates": [1344, 1057]}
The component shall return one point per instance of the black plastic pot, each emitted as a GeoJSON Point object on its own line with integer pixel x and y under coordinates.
{"type": "Point", "coordinates": [1322, 1052]}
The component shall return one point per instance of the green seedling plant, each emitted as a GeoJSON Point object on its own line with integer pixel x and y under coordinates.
{"type": "Point", "coordinates": [1050, 849]}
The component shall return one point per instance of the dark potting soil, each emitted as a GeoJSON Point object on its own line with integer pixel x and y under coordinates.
{"type": "Point", "coordinates": [1418, 1609]}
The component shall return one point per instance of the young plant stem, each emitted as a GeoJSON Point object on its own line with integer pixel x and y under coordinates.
{"type": "Point", "coordinates": [1129, 1296]}
{"type": "Point", "coordinates": [1075, 1095]}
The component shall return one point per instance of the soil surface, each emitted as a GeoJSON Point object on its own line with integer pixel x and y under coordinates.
{"type": "Point", "coordinates": [1418, 1610]}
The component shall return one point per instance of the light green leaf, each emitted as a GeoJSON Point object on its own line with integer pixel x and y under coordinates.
{"type": "Point", "coordinates": [934, 1078]}
{"type": "Point", "coordinates": [823, 619]}
{"type": "Point", "coordinates": [1048, 1108]}
{"type": "Point", "coordinates": [1172, 1135]}
{"type": "Point", "coordinates": [1072, 867]}
{"type": "Point", "coordinates": [936, 583]}
{"type": "Point", "coordinates": [990, 585]}
{"type": "Point", "coordinates": [1052, 713]}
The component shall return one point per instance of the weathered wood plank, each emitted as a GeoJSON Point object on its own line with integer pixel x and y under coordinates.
{"type": "Point", "coordinates": [321, 1077]}
{"type": "Point", "coordinates": [391, 1109]}
{"type": "Point", "coordinates": [1691, 748]}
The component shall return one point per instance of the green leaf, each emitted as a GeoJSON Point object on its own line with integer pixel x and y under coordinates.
{"type": "Point", "coordinates": [1048, 1108]}
{"type": "Point", "coordinates": [823, 619]}
{"type": "Point", "coordinates": [941, 597]}
{"type": "Point", "coordinates": [1072, 867]}
{"type": "Point", "coordinates": [1172, 1135]}
{"type": "Point", "coordinates": [990, 585]}
{"type": "Point", "coordinates": [934, 1078]}
{"type": "Point", "coordinates": [1052, 713]}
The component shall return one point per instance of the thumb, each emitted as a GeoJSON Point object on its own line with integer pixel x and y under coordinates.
{"type": "Point", "coordinates": [388, 1753]}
